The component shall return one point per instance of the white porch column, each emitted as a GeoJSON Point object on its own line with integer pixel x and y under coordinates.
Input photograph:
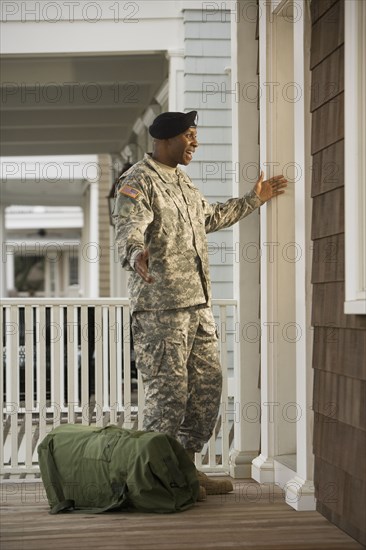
{"type": "Point", "coordinates": [10, 282]}
{"type": "Point", "coordinates": [176, 76]}
{"type": "Point", "coordinates": [4, 255]}
{"type": "Point", "coordinates": [84, 239]}
{"type": "Point", "coordinates": [280, 411]}
{"type": "Point", "coordinates": [300, 489]}
{"type": "Point", "coordinates": [90, 249]}
{"type": "Point", "coordinates": [92, 246]}
{"type": "Point", "coordinates": [286, 348]}
{"type": "Point", "coordinates": [263, 465]}
{"type": "Point", "coordinates": [246, 244]}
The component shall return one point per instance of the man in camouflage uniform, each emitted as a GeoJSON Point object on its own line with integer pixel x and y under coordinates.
{"type": "Point", "coordinates": [161, 225]}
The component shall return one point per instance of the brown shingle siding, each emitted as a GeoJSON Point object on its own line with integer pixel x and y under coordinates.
{"type": "Point", "coordinates": [328, 214]}
{"type": "Point", "coordinates": [327, 79]}
{"type": "Point", "coordinates": [327, 311]}
{"type": "Point", "coordinates": [328, 124]}
{"type": "Point", "coordinates": [328, 169]}
{"type": "Point", "coordinates": [328, 33]}
{"type": "Point", "coordinates": [341, 498]}
{"type": "Point", "coordinates": [341, 402]}
{"type": "Point", "coordinates": [328, 259]}
{"type": "Point", "coordinates": [339, 351]}
{"type": "Point", "coordinates": [318, 9]}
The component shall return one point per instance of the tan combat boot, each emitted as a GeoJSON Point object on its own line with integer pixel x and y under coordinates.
{"type": "Point", "coordinates": [211, 486]}
{"type": "Point", "coordinates": [201, 494]}
{"type": "Point", "coordinates": [214, 486]}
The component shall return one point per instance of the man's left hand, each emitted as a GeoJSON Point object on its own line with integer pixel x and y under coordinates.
{"type": "Point", "coordinates": [268, 189]}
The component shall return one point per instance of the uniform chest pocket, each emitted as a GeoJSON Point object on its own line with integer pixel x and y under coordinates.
{"type": "Point", "coordinates": [178, 203]}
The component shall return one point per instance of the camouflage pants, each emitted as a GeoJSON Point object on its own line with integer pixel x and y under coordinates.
{"type": "Point", "coordinates": [177, 354]}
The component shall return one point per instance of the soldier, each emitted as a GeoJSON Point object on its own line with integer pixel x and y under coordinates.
{"type": "Point", "coordinates": [161, 225]}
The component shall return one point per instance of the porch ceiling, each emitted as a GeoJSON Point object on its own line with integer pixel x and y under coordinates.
{"type": "Point", "coordinates": [61, 192]}
{"type": "Point", "coordinates": [75, 104]}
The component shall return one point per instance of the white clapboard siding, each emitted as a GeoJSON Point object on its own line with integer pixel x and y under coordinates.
{"type": "Point", "coordinates": [207, 57]}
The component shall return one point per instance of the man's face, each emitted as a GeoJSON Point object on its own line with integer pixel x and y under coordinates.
{"type": "Point", "coordinates": [182, 147]}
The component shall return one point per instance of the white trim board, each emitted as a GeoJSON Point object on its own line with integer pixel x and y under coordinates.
{"type": "Point", "coordinates": [355, 164]}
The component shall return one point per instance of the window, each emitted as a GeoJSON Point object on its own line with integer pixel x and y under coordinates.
{"type": "Point", "coordinates": [29, 274]}
{"type": "Point", "coordinates": [73, 270]}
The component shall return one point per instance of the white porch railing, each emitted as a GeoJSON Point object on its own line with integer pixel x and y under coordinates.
{"type": "Point", "coordinates": [71, 360]}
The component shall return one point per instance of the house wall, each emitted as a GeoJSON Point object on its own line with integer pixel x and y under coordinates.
{"type": "Point", "coordinates": [339, 339]}
{"type": "Point", "coordinates": [105, 182]}
{"type": "Point", "coordinates": [106, 26]}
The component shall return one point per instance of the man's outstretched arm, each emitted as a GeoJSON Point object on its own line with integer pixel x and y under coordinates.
{"type": "Point", "coordinates": [221, 215]}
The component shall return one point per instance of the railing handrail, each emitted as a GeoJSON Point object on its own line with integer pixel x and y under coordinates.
{"type": "Point", "coordinates": [110, 301]}
{"type": "Point", "coordinates": [64, 301]}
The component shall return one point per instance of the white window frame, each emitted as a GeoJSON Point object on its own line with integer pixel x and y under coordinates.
{"type": "Point", "coordinates": [355, 163]}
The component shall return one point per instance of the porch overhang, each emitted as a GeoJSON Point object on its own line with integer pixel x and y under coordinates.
{"type": "Point", "coordinates": [75, 104]}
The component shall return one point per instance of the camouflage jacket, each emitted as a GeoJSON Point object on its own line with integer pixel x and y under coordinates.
{"type": "Point", "coordinates": [164, 212]}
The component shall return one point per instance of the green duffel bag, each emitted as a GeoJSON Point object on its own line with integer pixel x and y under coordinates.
{"type": "Point", "coordinates": [91, 469]}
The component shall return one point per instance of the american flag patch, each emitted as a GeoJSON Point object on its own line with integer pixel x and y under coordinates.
{"type": "Point", "coordinates": [130, 191]}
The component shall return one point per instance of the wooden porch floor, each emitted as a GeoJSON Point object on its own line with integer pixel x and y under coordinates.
{"type": "Point", "coordinates": [254, 516]}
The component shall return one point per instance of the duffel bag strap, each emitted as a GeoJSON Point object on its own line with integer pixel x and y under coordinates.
{"type": "Point", "coordinates": [177, 477]}
{"type": "Point", "coordinates": [63, 504]}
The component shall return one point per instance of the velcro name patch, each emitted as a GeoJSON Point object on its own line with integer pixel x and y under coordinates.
{"type": "Point", "coordinates": [130, 192]}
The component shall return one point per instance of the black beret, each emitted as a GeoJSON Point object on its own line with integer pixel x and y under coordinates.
{"type": "Point", "coordinates": [168, 125]}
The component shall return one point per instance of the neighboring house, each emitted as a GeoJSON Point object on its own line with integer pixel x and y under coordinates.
{"type": "Point", "coordinates": [42, 251]}
{"type": "Point", "coordinates": [268, 81]}
{"type": "Point", "coordinates": [51, 241]}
